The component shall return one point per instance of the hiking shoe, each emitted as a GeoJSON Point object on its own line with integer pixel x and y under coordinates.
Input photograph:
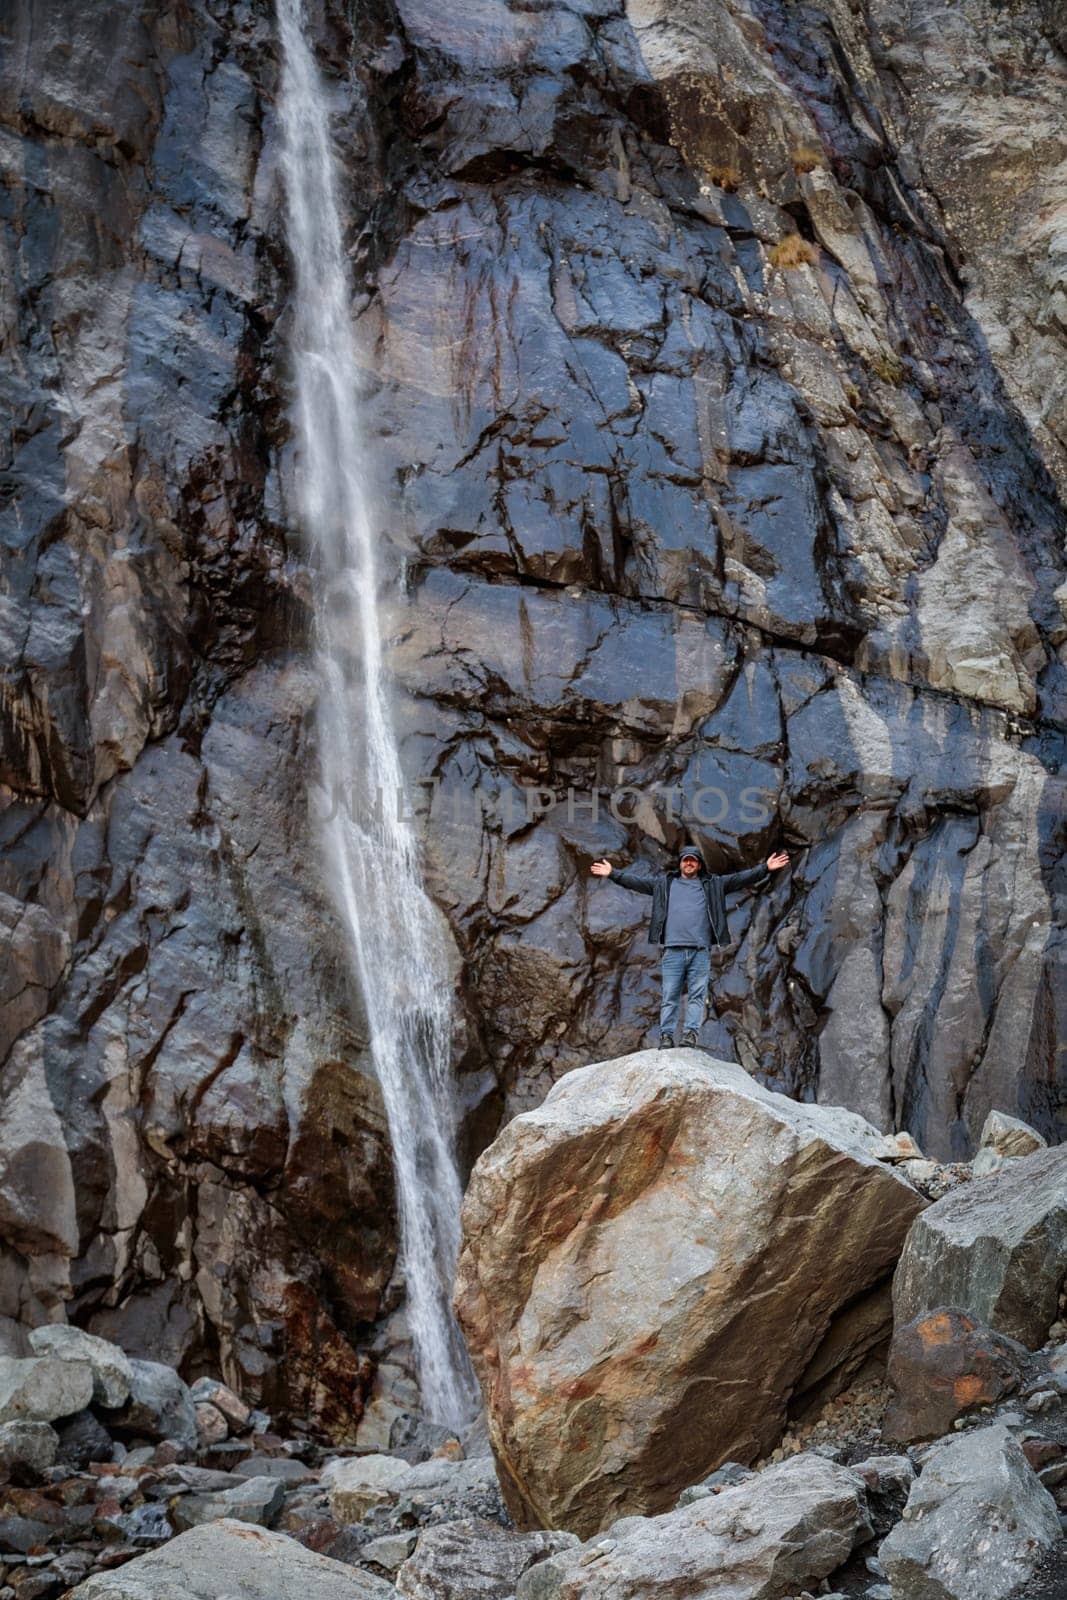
{"type": "Point", "coordinates": [666, 1041]}
{"type": "Point", "coordinates": [689, 1039]}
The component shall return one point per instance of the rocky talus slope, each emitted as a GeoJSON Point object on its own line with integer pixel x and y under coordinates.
{"type": "Point", "coordinates": [622, 1456]}
{"type": "Point", "coordinates": [715, 383]}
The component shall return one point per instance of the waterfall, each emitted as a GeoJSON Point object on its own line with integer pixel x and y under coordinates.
{"type": "Point", "coordinates": [392, 931]}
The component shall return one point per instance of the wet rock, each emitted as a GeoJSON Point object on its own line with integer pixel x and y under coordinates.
{"type": "Point", "coordinates": [976, 1523]}
{"type": "Point", "coordinates": [783, 1529]}
{"type": "Point", "coordinates": [159, 1407]}
{"type": "Point", "coordinates": [997, 1248]}
{"type": "Point", "coordinates": [473, 1560]}
{"type": "Point", "coordinates": [27, 1450]}
{"type": "Point", "coordinates": [43, 1388]}
{"type": "Point", "coordinates": [611, 1387]}
{"type": "Point", "coordinates": [111, 1368]}
{"type": "Point", "coordinates": [943, 1364]}
{"type": "Point", "coordinates": [232, 1558]}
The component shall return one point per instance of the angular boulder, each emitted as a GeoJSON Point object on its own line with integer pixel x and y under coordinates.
{"type": "Point", "coordinates": [997, 1248]}
{"type": "Point", "coordinates": [254, 1500]}
{"type": "Point", "coordinates": [943, 1364]}
{"type": "Point", "coordinates": [27, 1450]}
{"type": "Point", "coordinates": [356, 1484]}
{"type": "Point", "coordinates": [40, 1388]}
{"type": "Point", "coordinates": [651, 1262]}
{"type": "Point", "coordinates": [976, 1524]}
{"type": "Point", "coordinates": [473, 1560]}
{"type": "Point", "coordinates": [111, 1367]}
{"type": "Point", "coordinates": [159, 1407]}
{"type": "Point", "coordinates": [1009, 1136]}
{"type": "Point", "coordinates": [779, 1532]}
{"type": "Point", "coordinates": [232, 1558]}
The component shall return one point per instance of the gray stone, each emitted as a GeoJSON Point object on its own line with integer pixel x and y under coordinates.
{"type": "Point", "coordinates": [27, 1449]}
{"type": "Point", "coordinates": [986, 1162]}
{"type": "Point", "coordinates": [254, 1500]}
{"type": "Point", "coordinates": [976, 1523]}
{"type": "Point", "coordinates": [111, 1367]}
{"type": "Point", "coordinates": [42, 1389]}
{"type": "Point", "coordinates": [355, 1484]}
{"type": "Point", "coordinates": [998, 1249]}
{"type": "Point", "coordinates": [233, 1561]}
{"type": "Point", "coordinates": [473, 1560]}
{"type": "Point", "coordinates": [159, 1407]}
{"type": "Point", "coordinates": [390, 1551]}
{"type": "Point", "coordinates": [286, 1468]}
{"type": "Point", "coordinates": [781, 1530]}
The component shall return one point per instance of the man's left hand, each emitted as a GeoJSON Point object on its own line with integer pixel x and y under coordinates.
{"type": "Point", "coordinates": [779, 859]}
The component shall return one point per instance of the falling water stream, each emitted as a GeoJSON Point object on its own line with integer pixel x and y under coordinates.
{"type": "Point", "coordinates": [392, 930]}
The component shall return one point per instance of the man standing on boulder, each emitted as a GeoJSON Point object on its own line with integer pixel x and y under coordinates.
{"type": "Point", "coordinates": [688, 917]}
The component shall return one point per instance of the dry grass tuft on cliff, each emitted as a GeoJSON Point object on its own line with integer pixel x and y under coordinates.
{"type": "Point", "coordinates": [793, 251]}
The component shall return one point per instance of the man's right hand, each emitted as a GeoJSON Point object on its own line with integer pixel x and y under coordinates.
{"type": "Point", "coordinates": [601, 869]}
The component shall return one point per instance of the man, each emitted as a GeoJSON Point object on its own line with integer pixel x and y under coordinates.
{"type": "Point", "coordinates": [688, 916]}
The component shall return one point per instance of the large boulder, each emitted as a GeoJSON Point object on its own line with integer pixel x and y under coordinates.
{"type": "Point", "coordinates": [997, 1248]}
{"type": "Point", "coordinates": [40, 1388]}
{"type": "Point", "coordinates": [651, 1261]}
{"type": "Point", "coordinates": [943, 1364]}
{"type": "Point", "coordinates": [775, 1534]}
{"type": "Point", "coordinates": [976, 1524]}
{"type": "Point", "coordinates": [233, 1558]}
{"type": "Point", "coordinates": [111, 1368]}
{"type": "Point", "coordinates": [27, 1450]}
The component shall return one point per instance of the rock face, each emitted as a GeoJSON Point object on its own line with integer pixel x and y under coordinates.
{"type": "Point", "coordinates": [652, 1264]}
{"type": "Point", "coordinates": [776, 546]}
{"type": "Point", "coordinates": [976, 1524]}
{"type": "Point", "coordinates": [771, 1536]}
{"type": "Point", "coordinates": [233, 1558]}
{"type": "Point", "coordinates": [996, 1247]}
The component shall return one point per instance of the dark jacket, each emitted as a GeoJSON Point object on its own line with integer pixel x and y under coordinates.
{"type": "Point", "coordinates": [716, 886]}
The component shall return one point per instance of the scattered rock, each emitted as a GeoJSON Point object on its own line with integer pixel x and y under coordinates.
{"type": "Point", "coordinates": [390, 1551]}
{"type": "Point", "coordinates": [356, 1483]}
{"type": "Point", "coordinates": [975, 1525]}
{"type": "Point", "coordinates": [284, 1468]}
{"type": "Point", "coordinates": [255, 1500]}
{"type": "Point", "coordinates": [82, 1440]}
{"type": "Point", "coordinates": [474, 1560]}
{"type": "Point", "coordinates": [898, 1147]}
{"type": "Point", "coordinates": [1009, 1137]}
{"type": "Point", "coordinates": [27, 1450]}
{"type": "Point", "coordinates": [211, 1425]}
{"type": "Point", "coordinates": [159, 1407]}
{"type": "Point", "coordinates": [782, 1529]}
{"type": "Point", "coordinates": [42, 1388]}
{"type": "Point", "coordinates": [111, 1367]}
{"type": "Point", "coordinates": [943, 1364]}
{"type": "Point", "coordinates": [998, 1249]}
{"type": "Point", "coordinates": [233, 1559]}
{"type": "Point", "coordinates": [1043, 1400]}
{"type": "Point", "coordinates": [626, 1248]}
{"type": "Point", "coordinates": [210, 1391]}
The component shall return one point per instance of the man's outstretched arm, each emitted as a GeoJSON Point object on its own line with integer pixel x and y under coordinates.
{"type": "Point", "coordinates": [753, 875]}
{"type": "Point", "coordinates": [625, 877]}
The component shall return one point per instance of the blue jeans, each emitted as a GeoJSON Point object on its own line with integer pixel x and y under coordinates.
{"type": "Point", "coordinates": [688, 965]}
